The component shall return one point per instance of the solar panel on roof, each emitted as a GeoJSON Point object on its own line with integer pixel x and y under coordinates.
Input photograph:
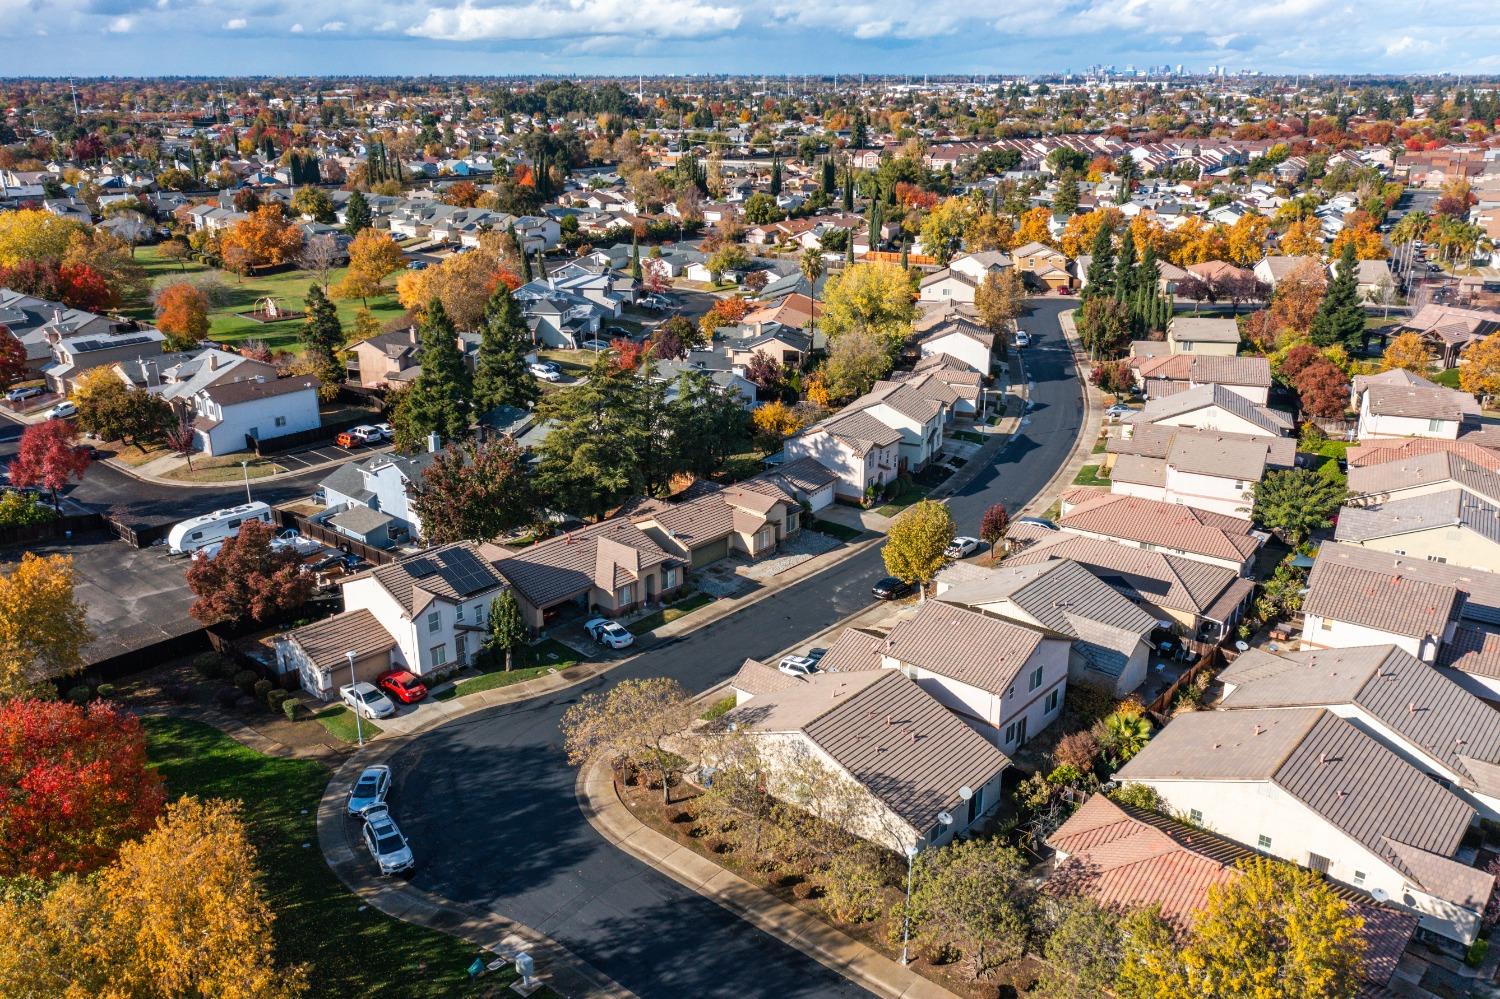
{"type": "Point", "coordinates": [420, 567]}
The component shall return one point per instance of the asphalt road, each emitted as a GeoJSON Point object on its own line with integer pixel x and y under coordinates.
{"type": "Point", "coordinates": [488, 800]}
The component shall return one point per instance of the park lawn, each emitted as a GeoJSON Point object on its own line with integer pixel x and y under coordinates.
{"type": "Point", "coordinates": [289, 288]}
{"type": "Point", "coordinates": [350, 948]}
{"type": "Point", "coordinates": [670, 613]}
{"type": "Point", "coordinates": [340, 722]}
{"type": "Point", "coordinates": [1089, 475]}
{"type": "Point", "coordinates": [527, 663]}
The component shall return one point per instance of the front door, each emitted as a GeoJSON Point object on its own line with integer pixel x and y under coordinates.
{"type": "Point", "coordinates": [461, 648]}
{"type": "Point", "coordinates": [1021, 732]}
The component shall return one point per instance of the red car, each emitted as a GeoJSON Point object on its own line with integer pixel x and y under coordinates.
{"type": "Point", "coordinates": [401, 685]}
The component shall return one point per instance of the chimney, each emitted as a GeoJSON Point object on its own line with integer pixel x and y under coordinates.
{"type": "Point", "coordinates": [213, 361]}
{"type": "Point", "coordinates": [888, 721]}
{"type": "Point", "coordinates": [434, 443]}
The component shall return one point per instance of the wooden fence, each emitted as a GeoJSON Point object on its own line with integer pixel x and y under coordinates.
{"type": "Point", "coordinates": [1160, 708]}
{"type": "Point", "coordinates": [306, 527]}
{"type": "Point", "coordinates": [62, 527]}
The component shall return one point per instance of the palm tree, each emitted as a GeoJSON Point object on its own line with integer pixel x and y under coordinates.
{"type": "Point", "coordinates": [812, 269]}
{"type": "Point", "coordinates": [1123, 734]}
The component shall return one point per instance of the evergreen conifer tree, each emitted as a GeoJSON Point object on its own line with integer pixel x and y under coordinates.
{"type": "Point", "coordinates": [1340, 317]}
{"type": "Point", "coordinates": [500, 373]}
{"type": "Point", "coordinates": [1101, 272]}
{"type": "Point", "coordinates": [438, 399]}
{"type": "Point", "coordinates": [356, 214]}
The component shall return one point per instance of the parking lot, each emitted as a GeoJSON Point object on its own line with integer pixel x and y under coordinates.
{"type": "Point", "coordinates": [322, 454]}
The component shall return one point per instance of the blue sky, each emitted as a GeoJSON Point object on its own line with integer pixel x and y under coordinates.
{"type": "Point", "coordinates": [145, 37]}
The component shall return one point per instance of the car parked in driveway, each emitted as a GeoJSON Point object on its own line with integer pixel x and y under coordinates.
{"type": "Point", "coordinates": [961, 547]}
{"type": "Point", "coordinates": [545, 372]}
{"type": "Point", "coordinates": [370, 789]}
{"type": "Point", "coordinates": [403, 685]}
{"type": "Point", "coordinates": [891, 588]}
{"type": "Point", "coordinates": [1118, 412]}
{"type": "Point", "coordinates": [62, 411]}
{"type": "Point", "coordinates": [385, 842]}
{"type": "Point", "coordinates": [367, 434]}
{"type": "Point", "coordinates": [594, 343]}
{"type": "Point", "coordinates": [610, 633]}
{"type": "Point", "coordinates": [365, 700]}
{"type": "Point", "coordinates": [26, 392]}
{"type": "Point", "coordinates": [797, 665]}
{"type": "Point", "coordinates": [1023, 339]}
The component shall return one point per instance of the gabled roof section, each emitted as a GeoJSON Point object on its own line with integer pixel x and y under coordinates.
{"type": "Point", "coordinates": [1166, 525]}
{"type": "Point", "coordinates": [451, 573]}
{"type": "Point", "coordinates": [964, 645]}
{"type": "Point", "coordinates": [1202, 396]}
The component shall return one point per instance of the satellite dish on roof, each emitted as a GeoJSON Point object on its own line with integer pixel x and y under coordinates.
{"type": "Point", "coordinates": [945, 818]}
{"type": "Point", "coordinates": [965, 792]}
{"type": "Point", "coordinates": [1380, 894]}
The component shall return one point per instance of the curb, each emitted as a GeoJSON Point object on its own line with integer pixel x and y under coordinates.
{"type": "Point", "coordinates": [838, 952]}
{"type": "Point", "coordinates": [558, 967]}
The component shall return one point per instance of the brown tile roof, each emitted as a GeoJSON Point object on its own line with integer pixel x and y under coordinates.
{"type": "Point", "coordinates": [1203, 330]}
{"type": "Point", "coordinates": [1249, 372]}
{"type": "Point", "coordinates": [452, 573]}
{"type": "Point", "coordinates": [852, 651]}
{"type": "Point", "coordinates": [1139, 470]}
{"type": "Point", "coordinates": [1130, 858]}
{"type": "Point", "coordinates": [1166, 525]}
{"type": "Point", "coordinates": [326, 642]}
{"type": "Point", "coordinates": [1415, 403]}
{"type": "Point", "coordinates": [1380, 452]}
{"type": "Point", "coordinates": [964, 645]}
{"type": "Point", "coordinates": [1436, 466]}
{"type": "Point", "coordinates": [568, 565]}
{"type": "Point", "coordinates": [1480, 589]}
{"type": "Point", "coordinates": [891, 736]}
{"type": "Point", "coordinates": [1207, 451]}
{"type": "Point", "coordinates": [1168, 581]}
{"type": "Point", "coordinates": [1473, 649]}
{"type": "Point", "coordinates": [756, 678]}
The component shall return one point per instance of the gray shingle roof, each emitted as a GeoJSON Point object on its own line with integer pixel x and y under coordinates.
{"type": "Point", "coordinates": [1201, 396]}
{"type": "Point", "coordinates": [1449, 508]}
{"type": "Point", "coordinates": [964, 645]}
{"type": "Point", "coordinates": [452, 573]}
{"type": "Point", "coordinates": [1168, 581]}
{"type": "Point", "coordinates": [564, 566]}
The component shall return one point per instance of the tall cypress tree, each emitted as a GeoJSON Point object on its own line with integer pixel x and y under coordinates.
{"type": "Point", "coordinates": [635, 255]}
{"type": "Point", "coordinates": [1101, 272]}
{"type": "Point", "coordinates": [828, 181]}
{"type": "Point", "coordinates": [500, 374]}
{"type": "Point", "coordinates": [1065, 202]}
{"type": "Point", "coordinates": [1125, 270]}
{"type": "Point", "coordinates": [849, 189]}
{"type": "Point", "coordinates": [356, 214]}
{"type": "Point", "coordinates": [875, 222]}
{"type": "Point", "coordinates": [324, 337]}
{"type": "Point", "coordinates": [775, 176]}
{"type": "Point", "coordinates": [1340, 317]}
{"type": "Point", "coordinates": [439, 397]}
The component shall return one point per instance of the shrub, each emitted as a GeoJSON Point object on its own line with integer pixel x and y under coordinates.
{"type": "Point", "coordinates": [245, 680]}
{"type": "Point", "coordinates": [805, 890]}
{"type": "Point", "coordinates": [293, 708]}
{"type": "Point", "coordinates": [80, 694]}
{"type": "Point", "coordinates": [106, 690]}
{"type": "Point", "coordinates": [227, 697]}
{"type": "Point", "coordinates": [262, 689]}
{"type": "Point", "coordinates": [719, 708]}
{"type": "Point", "coordinates": [1477, 951]}
{"type": "Point", "coordinates": [1140, 795]}
{"type": "Point", "coordinates": [852, 887]}
{"type": "Point", "coordinates": [275, 699]}
{"type": "Point", "coordinates": [1077, 749]}
{"type": "Point", "coordinates": [211, 666]}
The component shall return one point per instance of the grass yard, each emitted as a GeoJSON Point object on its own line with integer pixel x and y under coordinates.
{"type": "Point", "coordinates": [1326, 448]}
{"type": "Point", "coordinates": [836, 530]}
{"type": "Point", "coordinates": [1447, 378]}
{"type": "Point", "coordinates": [911, 494]}
{"type": "Point", "coordinates": [574, 363]}
{"type": "Point", "coordinates": [1090, 475]}
{"type": "Point", "coordinates": [339, 721]}
{"type": "Point", "coordinates": [670, 613]}
{"type": "Point", "coordinates": [719, 708]}
{"type": "Point", "coordinates": [969, 435]}
{"type": "Point", "coordinates": [222, 468]}
{"type": "Point", "coordinates": [289, 288]}
{"type": "Point", "coordinates": [351, 948]}
{"type": "Point", "coordinates": [527, 663]}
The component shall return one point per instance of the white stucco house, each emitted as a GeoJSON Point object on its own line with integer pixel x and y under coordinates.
{"type": "Point", "coordinates": [231, 413]}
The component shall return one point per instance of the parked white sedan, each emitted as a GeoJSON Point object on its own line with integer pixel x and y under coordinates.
{"type": "Point", "coordinates": [367, 701]}
{"type": "Point", "coordinates": [610, 633]}
{"type": "Point", "coordinates": [961, 547]}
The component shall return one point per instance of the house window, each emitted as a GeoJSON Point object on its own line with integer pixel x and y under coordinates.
{"type": "Point", "coordinates": [1195, 816]}
{"type": "Point", "coordinates": [439, 654]}
{"type": "Point", "coordinates": [434, 622]}
{"type": "Point", "coordinates": [1010, 692]}
{"type": "Point", "coordinates": [1239, 485]}
{"type": "Point", "coordinates": [1359, 878]}
{"type": "Point", "coordinates": [1187, 346]}
{"type": "Point", "coordinates": [1433, 426]}
{"type": "Point", "coordinates": [281, 421]}
{"type": "Point", "coordinates": [1010, 733]}
{"type": "Point", "coordinates": [1436, 558]}
{"type": "Point", "coordinates": [458, 613]}
{"type": "Point", "coordinates": [1398, 551]}
{"type": "Point", "coordinates": [668, 578]}
{"type": "Point", "coordinates": [1035, 680]}
{"type": "Point", "coordinates": [1325, 624]}
{"type": "Point", "coordinates": [626, 595]}
{"type": "Point", "coordinates": [1263, 842]}
{"type": "Point", "coordinates": [1053, 697]}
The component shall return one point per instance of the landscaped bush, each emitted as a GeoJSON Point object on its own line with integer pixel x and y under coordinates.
{"type": "Point", "coordinates": [719, 708]}
{"type": "Point", "coordinates": [246, 679]}
{"type": "Point", "coordinates": [227, 697]}
{"type": "Point", "coordinates": [262, 689]}
{"type": "Point", "coordinates": [275, 699]}
{"type": "Point", "coordinates": [293, 708]}
{"type": "Point", "coordinates": [80, 694]}
{"type": "Point", "coordinates": [211, 666]}
{"type": "Point", "coordinates": [852, 887]}
{"type": "Point", "coordinates": [106, 690]}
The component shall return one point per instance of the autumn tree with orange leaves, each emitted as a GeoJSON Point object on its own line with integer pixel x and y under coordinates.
{"type": "Point", "coordinates": [182, 315]}
{"type": "Point", "coordinates": [248, 579]}
{"type": "Point", "coordinates": [265, 239]}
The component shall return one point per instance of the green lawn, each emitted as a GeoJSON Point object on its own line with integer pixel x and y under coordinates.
{"type": "Point", "coordinates": [352, 949]}
{"type": "Point", "coordinates": [1326, 448]}
{"type": "Point", "coordinates": [574, 363]}
{"type": "Point", "coordinates": [288, 288]}
{"type": "Point", "coordinates": [671, 613]}
{"type": "Point", "coordinates": [1099, 446]}
{"type": "Point", "coordinates": [719, 708]}
{"type": "Point", "coordinates": [836, 530]}
{"type": "Point", "coordinates": [968, 435]}
{"type": "Point", "coordinates": [339, 721]}
{"type": "Point", "coordinates": [1089, 475]}
{"type": "Point", "coordinates": [1448, 378]}
{"type": "Point", "coordinates": [911, 494]}
{"type": "Point", "coordinates": [527, 663]}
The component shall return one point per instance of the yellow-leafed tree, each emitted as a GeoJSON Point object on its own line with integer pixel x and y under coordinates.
{"type": "Point", "coordinates": [1481, 374]}
{"type": "Point", "coordinates": [373, 255]}
{"type": "Point", "coordinates": [916, 541]}
{"type": "Point", "coordinates": [42, 626]}
{"type": "Point", "coordinates": [1408, 353]}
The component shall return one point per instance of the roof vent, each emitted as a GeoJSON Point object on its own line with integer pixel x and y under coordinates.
{"type": "Point", "coordinates": [888, 720]}
{"type": "Point", "coordinates": [1257, 729]}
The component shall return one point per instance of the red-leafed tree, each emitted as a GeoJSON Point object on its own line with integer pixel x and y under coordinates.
{"type": "Point", "coordinates": [627, 353]}
{"type": "Point", "coordinates": [764, 370]}
{"type": "Point", "coordinates": [992, 526]}
{"type": "Point", "coordinates": [85, 288]}
{"type": "Point", "coordinates": [77, 786]}
{"type": "Point", "coordinates": [12, 358]}
{"type": "Point", "coordinates": [49, 457]}
{"type": "Point", "coordinates": [1323, 389]}
{"type": "Point", "coordinates": [1296, 359]}
{"type": "Point", "coordinates": [248, 579]}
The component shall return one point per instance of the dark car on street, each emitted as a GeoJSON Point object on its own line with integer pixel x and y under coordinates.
{"type": "Point", "coordinates": [891, 588]}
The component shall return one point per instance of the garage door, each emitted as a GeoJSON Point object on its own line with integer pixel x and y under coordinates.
{"type": "Point", "coordinates": [711, 553]}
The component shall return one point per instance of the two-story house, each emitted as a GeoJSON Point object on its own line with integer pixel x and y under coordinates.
{"type": "Point", "coordinates": [1206, 469]}
{"type": "Point", "coordinates": [1171, 528]}
{"type": "Point", "coordinates": [384, 485]}
{"type": "Point", "coordinates": [861, 450]}
{"type": "Point", "coordinates": [1203, 335]}
{"type": "Point", "coordinates": [231, 414]}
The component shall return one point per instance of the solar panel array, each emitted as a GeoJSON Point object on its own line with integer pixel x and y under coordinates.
{"type": "Point", "coordinates": [84, 346]}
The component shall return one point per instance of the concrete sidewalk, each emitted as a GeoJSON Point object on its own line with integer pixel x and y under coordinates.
{"type": "Point", "coordinates": [829, 947]}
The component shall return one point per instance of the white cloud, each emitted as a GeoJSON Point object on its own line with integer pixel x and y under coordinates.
{"type": "Point", "coordinates": [296, 29]}
{"type": "Point", "coordinates": [564, 18]}
{"type": "Point", "coordinates": [235, 24]}
{"type": "Point", "coordinates": [121, 25]}
{"type": "Point", "coordinates": [333, 26]}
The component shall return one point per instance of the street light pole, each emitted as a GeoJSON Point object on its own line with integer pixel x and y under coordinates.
{"type": "Point", "coordinates": [359, 727]}
{"type": "Point", "coordinates": [245, 467]}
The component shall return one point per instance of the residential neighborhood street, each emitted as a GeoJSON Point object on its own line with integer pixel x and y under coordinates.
{"type": "Point", "coordinates": [489, 799]}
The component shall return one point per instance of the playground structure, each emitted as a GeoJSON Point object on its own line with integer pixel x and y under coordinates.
{"type": "Point", "coordinates": [268, 310]}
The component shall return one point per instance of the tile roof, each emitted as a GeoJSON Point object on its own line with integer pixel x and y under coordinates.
{"type": "Point", "coordinates": [1207, 451]}
{"type": "Point", "coordinates": [1391, 603]}
{"type": "Point", "coordinates": [1474, 649]}
{"type": "Point", "coordinates": [852, 651]}
{"type": "Point", "coordinates": [1248, 372]}
{"type": "Point", "coordinates": [1422, 470]}
{"type": "Point", "coordinates": [1139, 470]}
{"type": "Point", "coordinates": [1415, 403]}
{"type": "Point", "coordinates": [1480, 590]}
{"type": "Point", "coordinates": [902, 397]}
{"type": "Point", "coordinates": [964, 645]}
{"type": "Point", "coordinates": [452, 572]}
{"type": "Point", "coordinates": [569, 564]}
{"type": "Point", "coordinates": [1168, 581]}
{"type": "Point", "coordinates": [1420, 704]}
{"type": "Point", "coordinates": [859, 430]}
{"type": "Point", "coordinates": [756, 678]}
{"type": "Point", "coordinates": [1131, 858]}
{"type": "Point", "coordinates": [1330, 765]}
{"type": "Point", "coordinates": [1166, 525]}
{"type": "Point", "coordinates": [891, 736]}
{"type": "Point", "coordinates": [1380, 452]}
{"type": "Point", "coordinates": [1448, 508]}
{"type": "Point", "coordinates": [326, 642]}
{"type": "Point", "coordinates": [1202, 396]}
{"type": "Point", "coordinates": [1204, 330]}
